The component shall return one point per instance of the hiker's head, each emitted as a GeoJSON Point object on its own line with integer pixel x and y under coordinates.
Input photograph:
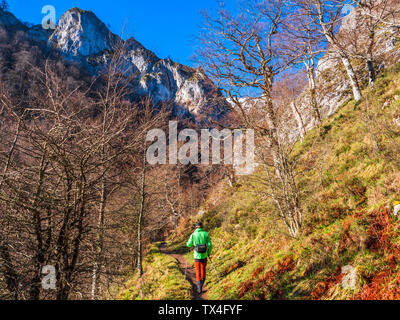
{"type": "Point", "coordinates": [198, 225]}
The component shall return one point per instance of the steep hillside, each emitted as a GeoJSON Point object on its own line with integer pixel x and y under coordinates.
{"type": "Point", "coordinates": [332, 83]}
{"type": "Point", "coordinates": [350, 179]}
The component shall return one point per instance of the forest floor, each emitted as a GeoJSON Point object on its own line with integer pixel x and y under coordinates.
{"type": "Point", "coordinates": [188, 270]}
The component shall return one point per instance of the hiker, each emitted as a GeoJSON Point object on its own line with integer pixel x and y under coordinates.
{"type": "Point", "coordinates": [202, 249]}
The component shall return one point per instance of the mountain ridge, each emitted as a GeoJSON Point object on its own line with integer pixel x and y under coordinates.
{"type": "Point", "coordinates": [82, 37]}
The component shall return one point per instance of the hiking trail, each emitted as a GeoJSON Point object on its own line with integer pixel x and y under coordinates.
{"type": "Point", "coordinates": [190, 272]}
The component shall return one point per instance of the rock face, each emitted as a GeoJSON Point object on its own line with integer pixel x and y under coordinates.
{"type": "Point", "coordinates": [80, 35]}
{"type": "Point", "coordinates": [165, 80]}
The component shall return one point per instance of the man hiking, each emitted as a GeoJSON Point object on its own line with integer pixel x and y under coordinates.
{"type": "Point", "coordinates": [202, 249]}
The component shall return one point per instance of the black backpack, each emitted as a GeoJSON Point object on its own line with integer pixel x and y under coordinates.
{"type": "Point", "coordinates": [201, 248]}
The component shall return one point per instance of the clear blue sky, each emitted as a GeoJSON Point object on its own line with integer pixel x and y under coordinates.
{"type": "Point", "coordinates": [167, 27]}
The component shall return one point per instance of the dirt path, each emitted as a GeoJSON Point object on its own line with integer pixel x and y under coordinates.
{"type": "Point", "coordinates": [190, 272]}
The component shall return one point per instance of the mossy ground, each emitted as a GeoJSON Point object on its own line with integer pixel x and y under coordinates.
{"type": "Point", "coordinates": [162, 280]}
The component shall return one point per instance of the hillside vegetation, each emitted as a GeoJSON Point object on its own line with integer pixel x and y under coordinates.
{"type": "Point", "coordinates": [161, 280]}
{"type": "Point", "coordinates": [349, 177]}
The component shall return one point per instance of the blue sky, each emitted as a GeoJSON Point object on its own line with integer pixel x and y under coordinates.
{"type": "Point", "coordinates": [167, 27]}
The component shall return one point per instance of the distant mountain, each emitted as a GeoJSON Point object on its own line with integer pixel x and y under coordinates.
{"type": "Point", "coordinates": [82, 37]}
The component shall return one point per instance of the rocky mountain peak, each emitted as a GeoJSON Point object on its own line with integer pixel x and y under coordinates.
{"type": "Point", "coordinates": [81, 33]}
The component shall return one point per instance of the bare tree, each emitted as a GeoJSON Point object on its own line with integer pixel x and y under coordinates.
{"type": "Point", "coordinates": [241, 52]}
{"type": "Point", "coordinates": [46, 188]}
{"type": "Point", "coordinates": [366, 44]}
{"type": "Point", "coordinates": [304, 39]}
{"type": "Point", "coordinates": [328, 15]}
{"type": "Point", "coordinates": [286, 93]}
{"type": "Point", "coordinates": [115, 117]}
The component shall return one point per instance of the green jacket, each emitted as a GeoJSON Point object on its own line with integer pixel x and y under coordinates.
{"type": "Point", "coordinates": [200, 237]}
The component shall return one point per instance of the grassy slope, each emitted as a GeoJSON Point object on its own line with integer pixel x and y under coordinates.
{"type": "Point", "coordinates": [348, 173]}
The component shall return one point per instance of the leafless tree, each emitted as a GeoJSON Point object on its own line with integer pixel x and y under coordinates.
{"type": "Point", "coordinates": [385, 11]}
{"type": "Point", "coordinates": [62, 160]}
{"type": "Point", "coordinates": [115, 117]}
{"type": "Point", "coordinates": [240, 51]}
{"type": "Point", "coordinates": [328, 15]}
{"type": "Point", "coordinates": [304, 39]}
{"type": "Point", "coordinates": [47, 188]}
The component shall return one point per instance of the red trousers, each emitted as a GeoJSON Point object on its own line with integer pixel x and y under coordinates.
{"type": "Point", "coordinates": [200, 269]}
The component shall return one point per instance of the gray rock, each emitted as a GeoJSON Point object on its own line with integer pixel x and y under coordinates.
{"type": "Point", "coordinates": [396, 210]}
{"type": "Point", "coordinates": [349, 281]}
{"type": "Point", "coordinates": [81, 33]}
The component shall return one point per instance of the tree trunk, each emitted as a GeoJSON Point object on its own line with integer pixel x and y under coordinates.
{"type": "Point", "coordinates": [352, 77]}
{"type": "Point", "coordinates": [371, 73]}
{"type": "Point", "coordinates": [330, 37]}
{"type": "Point", "coordinates": [38, 258]}
{"type": "Point", "coordinates": [140, 219]}
{"type": "Point", "coordinates": [299, 120]}
{"type": "Point", "coordinates": [312, 88]}
{"type": "Point", "coordinates": [284, 192]}
{"type": "Point", "coordinates": [99, 243]}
